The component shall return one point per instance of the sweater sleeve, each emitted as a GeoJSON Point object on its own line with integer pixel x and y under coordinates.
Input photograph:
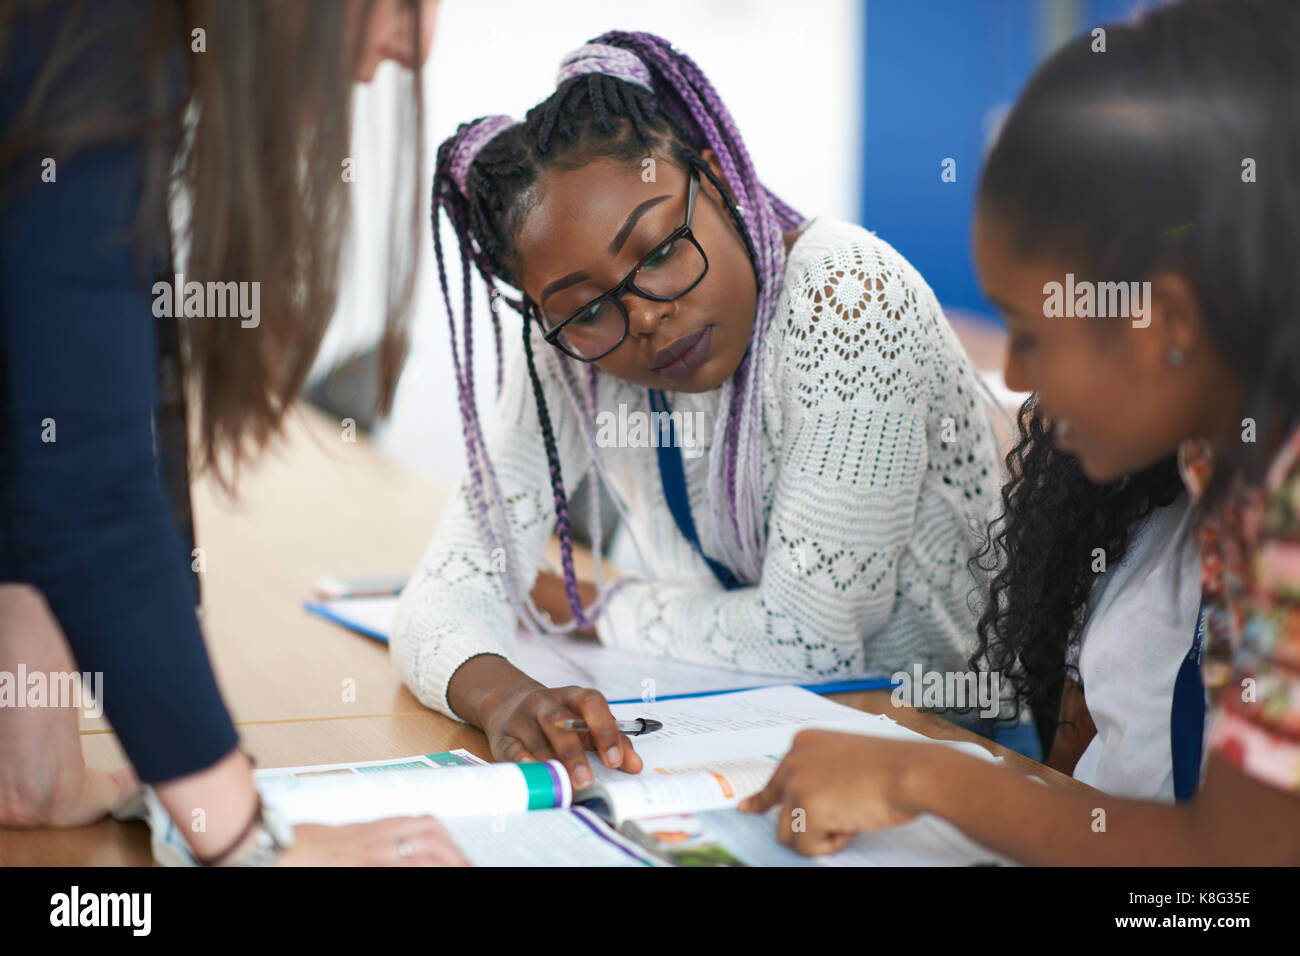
{"type": "Point", "coordinates": [86, 515]}
{"type": "Point", "coordinates": [858, 343]}
{"type": "Point", "coordinates": [455, 606]}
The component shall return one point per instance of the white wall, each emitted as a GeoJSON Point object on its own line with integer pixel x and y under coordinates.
{"type": "Point", "coordinates": [790, 72]}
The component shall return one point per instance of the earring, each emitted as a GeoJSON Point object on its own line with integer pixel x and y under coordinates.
{"type": "Point", "coordinates": [1175, 356]}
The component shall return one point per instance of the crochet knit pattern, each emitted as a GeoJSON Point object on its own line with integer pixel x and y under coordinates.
{"type": "Point", "coordinates": [879, 477]}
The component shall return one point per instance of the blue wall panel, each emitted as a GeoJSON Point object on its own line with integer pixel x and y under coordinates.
{"type": "Point", "coordinates": [938, 75]}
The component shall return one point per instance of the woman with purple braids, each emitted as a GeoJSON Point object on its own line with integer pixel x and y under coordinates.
{"type": "Point", "coordinates": [819, 525]}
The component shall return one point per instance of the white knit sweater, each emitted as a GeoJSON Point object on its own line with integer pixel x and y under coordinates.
{"type": "Point", "coordinates": [879, 474]}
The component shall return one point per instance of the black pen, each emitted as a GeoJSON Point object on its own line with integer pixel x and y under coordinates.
{"type": "Point", "coordinates": [633, 728]}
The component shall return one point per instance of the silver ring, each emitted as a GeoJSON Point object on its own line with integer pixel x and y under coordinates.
{"type": "Point", "coordinates": [404, 849]}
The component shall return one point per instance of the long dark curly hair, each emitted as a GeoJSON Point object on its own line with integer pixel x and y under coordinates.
{"type": "Point", "coordinates": [1129, 163]}
{"type": "Point", "coordinates": [1041, 555]}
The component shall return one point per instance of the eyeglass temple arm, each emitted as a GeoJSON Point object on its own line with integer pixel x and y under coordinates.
{"type": "Point", "coordinates": [693, 191]}
{"type": "Point", "coordinates": [732, 207]}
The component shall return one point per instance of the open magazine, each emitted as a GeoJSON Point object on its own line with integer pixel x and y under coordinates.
{"type": "Point", "coordinates": [712, 752]}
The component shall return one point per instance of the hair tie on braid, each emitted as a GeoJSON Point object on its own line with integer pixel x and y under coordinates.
{"type": "Point", "coordinates": [471, 144]}
{"type": "Point", "coordinates": [608, 60]}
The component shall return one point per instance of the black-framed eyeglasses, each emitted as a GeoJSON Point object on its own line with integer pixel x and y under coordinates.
{"type": "Point", "coordinates": [670, 270]}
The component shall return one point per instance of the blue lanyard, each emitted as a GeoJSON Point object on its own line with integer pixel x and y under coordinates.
{"type": "Point", "coordinates": [1187, 716]}
{"type": "Point", "coordinates": [673, 475]}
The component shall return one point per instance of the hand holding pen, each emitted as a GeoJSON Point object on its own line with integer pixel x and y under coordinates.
{"type": "Point", "coordinates": [519, 717]}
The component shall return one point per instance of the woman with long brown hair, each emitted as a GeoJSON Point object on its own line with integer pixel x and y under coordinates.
{"type": "Point", "coordinates": [139, 140]}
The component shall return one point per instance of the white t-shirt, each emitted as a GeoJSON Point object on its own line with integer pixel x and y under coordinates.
{"type": "Point", "coordinates": [1141, 625]}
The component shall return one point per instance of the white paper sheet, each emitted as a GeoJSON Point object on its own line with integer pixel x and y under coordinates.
{"type": "Point", "coordinates": [924, 841]}
{"type": "Point", "coordinates": [544, 838]}
{"type": "Point", "coordinates": [753, 723]}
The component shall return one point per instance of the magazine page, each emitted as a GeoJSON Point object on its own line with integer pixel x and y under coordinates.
{"type": "Point", "coordinates": [355, 793]}
{"type": "Point", "coordinates": [714, 751]}
{"type": "Point", "coordinates": [573, 837]}
{"type": "Point", "coordinates": [731, 838]}
{"type": "Point", "coordinates": [681, 788]}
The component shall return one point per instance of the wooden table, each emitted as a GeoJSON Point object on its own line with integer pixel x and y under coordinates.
{"type": "Point", "coordinates": [318, 505]}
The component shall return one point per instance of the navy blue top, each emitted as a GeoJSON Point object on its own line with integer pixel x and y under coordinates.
{"type": "Point", "coordinates": [85, 518]}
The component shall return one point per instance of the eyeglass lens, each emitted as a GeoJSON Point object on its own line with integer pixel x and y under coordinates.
{"type": "Point", "coordinates": [668, 272]}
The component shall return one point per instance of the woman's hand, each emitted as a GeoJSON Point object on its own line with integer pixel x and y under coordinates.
{"type": "Point", "coordinates": [44, 780]}
{"type": "Point", "coordinates": [549, 596]}
{"type": "Point", "coordinates": [396, 841]}
{"type": "Point", "coordinates": [832, 786]}
{"type": "Point", "coordinates": [522, 727]}
{"type": "Point", "coordinates": [519, 717]}
{"type": "Point", "coordinates": [53, 787]}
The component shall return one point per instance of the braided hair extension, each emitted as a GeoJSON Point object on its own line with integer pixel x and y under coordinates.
{"type": "Point", "coordinates": [624, 95]}
{"type": "Point", "coordinates": [1040, 554]}
{"type": "Point", "coordinates": [557, 481]}
{"type": "Point", "coordinates": [690, 98]}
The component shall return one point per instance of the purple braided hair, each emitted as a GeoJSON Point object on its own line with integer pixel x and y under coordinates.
{"type": "Point", "coordinates": [455, 158]}
{"type": "Point", "coordinates": [689, 99]}
{"type": "Point", "coordinates": [685, 93]}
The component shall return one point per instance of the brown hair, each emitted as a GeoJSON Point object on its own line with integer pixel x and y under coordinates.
{"type": "Point", "coordinates": [253, 150]}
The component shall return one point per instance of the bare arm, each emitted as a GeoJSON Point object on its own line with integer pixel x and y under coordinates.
{"type": "Point", "coordinates": [1074, 731]}
{"type": "Point", "coordinates": [846, 783]}
{"type": "Point", "coordinates": [1234, 820]}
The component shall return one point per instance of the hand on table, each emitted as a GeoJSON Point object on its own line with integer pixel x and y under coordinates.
{"type": "Point", "coordinates": [521, 726]}
{"type": "Point", "coordinates": [44, 780]}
